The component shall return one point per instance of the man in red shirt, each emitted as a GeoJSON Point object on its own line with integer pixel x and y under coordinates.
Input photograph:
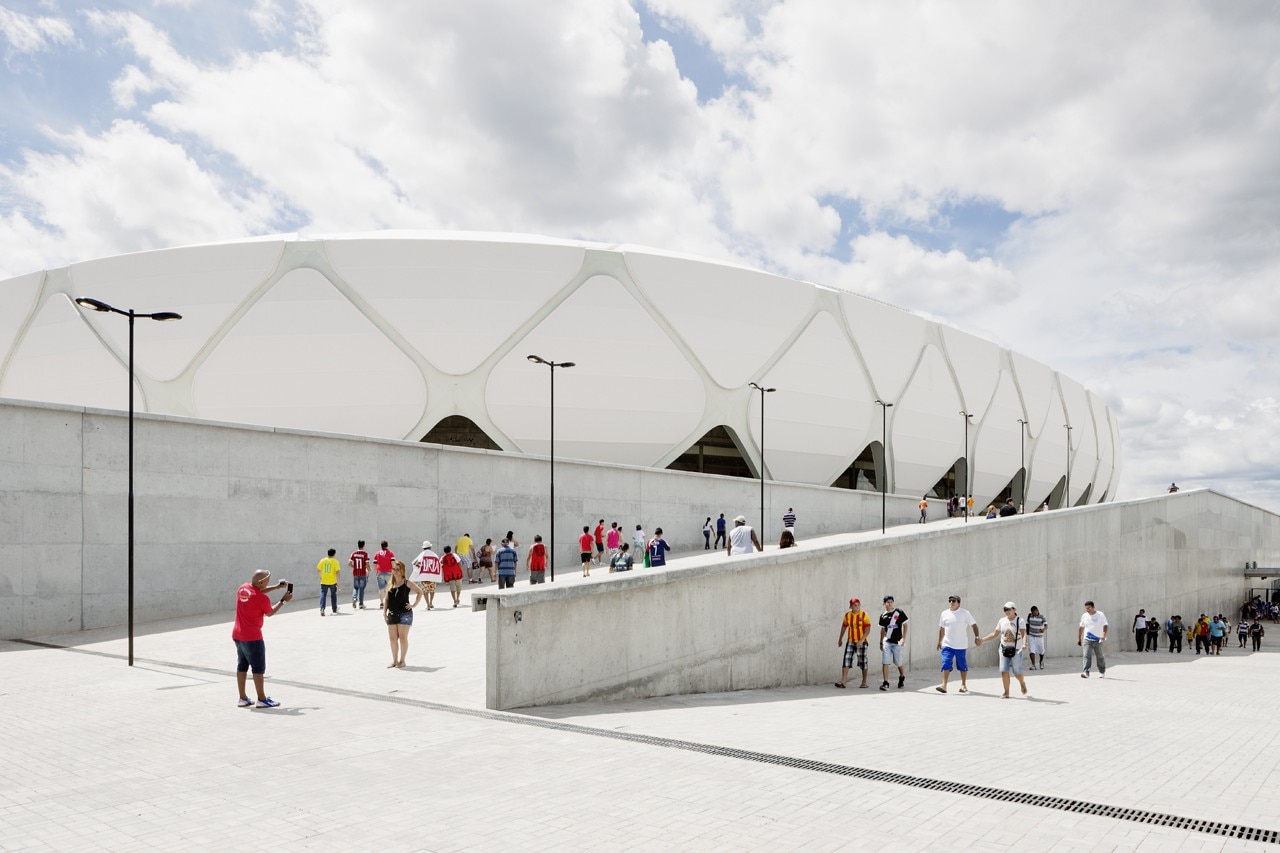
{"type": "Point", "coordinates": [252, 606]}
{"type": "Point", "coordinates": [600, 542]}
{"type": "Point", "coordinates": [584, 546]}
{"type": "Point", "coordinates": [359, 563]}
{"type": "Point", "coordinates": [537, 561]}
{"type": "Point", "coordinates": [382, 561]}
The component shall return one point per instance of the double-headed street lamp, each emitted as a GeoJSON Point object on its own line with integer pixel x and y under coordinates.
{"type": "Point", "coordinates": [762, 391]}
{"type": "Point", "coordinates": [537, 359]}
{"type": "Point", "coordinates": [98, 305]}
{"type": "Point", "coordinates": [964, 495]}
{"type": "Point", "coordinates": [884, 456]}
{"type": "Point", "coordinates": [1022, 448]}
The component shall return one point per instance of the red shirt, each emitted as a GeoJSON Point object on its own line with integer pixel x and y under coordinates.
{"type": "Point", "coordinates": [584, 543]}
{"type": "Point", "coordinates": [252, 605]}
{"type": "Point", "coordinates": [383, 560]}
{"type": "Point", "coordinates": [599, 534]}
{"type": "Point", "coordinates": [359, 563]}
{"type": "Point", "coordinates": [538, 557]}
{"type": "Point", "coordinates": [452, 568]}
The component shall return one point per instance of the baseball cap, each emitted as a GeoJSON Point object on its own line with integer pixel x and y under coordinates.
{"type": "Point", "coordinates": [741, 518]}
{"type": "Point", "coordinates": [1009, 605]}
{"type": "Point", "coordinates": [854, 601]}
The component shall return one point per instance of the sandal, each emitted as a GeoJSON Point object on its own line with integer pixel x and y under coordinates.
{"type": "Point", "coordinates": [841, 686]}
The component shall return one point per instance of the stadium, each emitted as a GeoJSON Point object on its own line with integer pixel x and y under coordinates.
{"type": "Point", "coordinates": [427, 336]}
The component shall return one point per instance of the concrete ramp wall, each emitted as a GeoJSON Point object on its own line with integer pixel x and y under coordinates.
{"type": "Point", "coordinates": [714, 623]}
{"type": "Point", "coordinates": [216, 501]}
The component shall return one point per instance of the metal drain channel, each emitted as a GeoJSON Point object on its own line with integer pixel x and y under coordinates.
{"type": "Point", "coordinates": [1189, 824]}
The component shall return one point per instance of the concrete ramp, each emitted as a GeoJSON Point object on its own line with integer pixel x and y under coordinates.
{"type": "Point", "coordinates": [712, 623]}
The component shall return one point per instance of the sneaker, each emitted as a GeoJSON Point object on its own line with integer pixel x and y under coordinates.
{"type": "Point", "coordinates": [244, 703]}
{"type": "Point", "coordinates": [267, 703]}
{"type": "Point", "coordinates": [1084, 675]}
{"type": "Point", "coordinates": [362, 607]}
{"type": "Point", "coordinates": [902, 681]}
{"type": "Point", "coordinates": [322, 613]}
{"type": "Point", "coordinates": [1102, 675]}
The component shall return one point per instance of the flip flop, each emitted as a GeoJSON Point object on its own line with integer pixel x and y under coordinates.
{"type": "Point", "coordinates": [964, 689]}
{"type": "Point", "coordinates": [940, 689]}
{"type": "Point", "coordinates": [841, 686]}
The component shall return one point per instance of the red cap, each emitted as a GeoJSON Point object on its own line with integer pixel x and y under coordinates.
{"type": "Point", "coordinates": [854, 601]}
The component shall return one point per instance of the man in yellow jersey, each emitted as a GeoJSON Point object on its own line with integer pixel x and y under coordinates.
{"type": "Point", "coordinates": [855, 626]}
{"type": "Point", "coordinates": [328, 569]}
{"type": "Point", "coordinates": [464, 548]}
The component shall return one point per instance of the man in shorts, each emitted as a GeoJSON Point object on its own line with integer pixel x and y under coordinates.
{"type": "Point", "coordinates": [599, 537]}
{"type": "Point", "coordinates": [953, 642]}
{"type": "Point", "coordinates": [465, 549]}
{"type": "Point", "coordinates": [855, 626]}
{"type": "Point", "coordinates": [893, 639]}
{"type": "Point", "coordinates": [427, 572]}
{"type": "Point", "coordinates": [252, 606]}
{"type": "Point", "coordinates": [537, 560]}
{"type": "Point", "coordinates": [584, 550]}
{"type": "Point", "coordinates": [1036, 627]}
{"type": "Point", "coordinates": [1012, 632]}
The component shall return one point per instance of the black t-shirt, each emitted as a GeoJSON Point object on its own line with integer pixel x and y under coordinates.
{"type": "Point", "coordinates": [892, 621]}
{"type": "Point", "coordinates": [398, 599]}
{"type": "Point", "coordinates": [1007, 510]}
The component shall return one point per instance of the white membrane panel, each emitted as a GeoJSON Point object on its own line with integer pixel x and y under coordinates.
{"type": "Point", "coordinates": [303, 355]}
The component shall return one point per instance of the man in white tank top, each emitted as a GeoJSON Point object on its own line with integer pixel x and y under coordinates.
{"type": "Point", "coordinates": [742, 538]}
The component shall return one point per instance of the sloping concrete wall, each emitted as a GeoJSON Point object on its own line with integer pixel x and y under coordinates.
{"type": "Point", "coordinates": [767, 620]}
{"type": "Point", "coordinates": [216, 501]}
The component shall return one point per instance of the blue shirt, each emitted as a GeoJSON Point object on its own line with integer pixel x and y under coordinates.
{"type": "Point", "coordinates": [506, 558]}
{"type": "Point", "coordinates": [1217, 629]}
{"type": "Point", "coordinates": [720, 524]}
{"type": "Point", "coordinates": [658, 549]}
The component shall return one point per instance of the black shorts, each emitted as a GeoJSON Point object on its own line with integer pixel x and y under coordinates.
{"type": "Point", "coordinates": [586, 556]}
{"type": "Point", "coordinates": [599, 547]}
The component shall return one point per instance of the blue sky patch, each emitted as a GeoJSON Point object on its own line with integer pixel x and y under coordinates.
{"type": "Point", "coordinates": [694, 60]}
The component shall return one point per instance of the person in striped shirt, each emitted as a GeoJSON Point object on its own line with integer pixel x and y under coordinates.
{"type": "Point", "coordinates": [359, 563]}
{"type": "Point", "coordinates": [855, 626]}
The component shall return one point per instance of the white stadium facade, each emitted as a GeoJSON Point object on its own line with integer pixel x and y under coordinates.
{"type": "Point", "coordinates": [425, 336]}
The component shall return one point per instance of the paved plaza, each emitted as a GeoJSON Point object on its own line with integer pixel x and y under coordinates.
{"type": "Point", "coordinates": [360, 757]}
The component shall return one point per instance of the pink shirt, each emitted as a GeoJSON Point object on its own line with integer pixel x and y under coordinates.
{"type": "Point", "coordinates": [612, 537]}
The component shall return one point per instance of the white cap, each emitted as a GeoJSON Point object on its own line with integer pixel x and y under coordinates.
{"type": "Point", "coordinates": [1008, 605]}
{"type": "Point", "coordinates": [426, 543]}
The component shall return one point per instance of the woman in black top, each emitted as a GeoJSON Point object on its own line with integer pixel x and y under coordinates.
{"type": "Point", "coordinates": [399, 613]}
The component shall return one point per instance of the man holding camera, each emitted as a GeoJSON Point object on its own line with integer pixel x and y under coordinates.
{"type": "Point", "coordinates": [1012, 632]}
{"type": "Point", "coordinates": [252, 606]}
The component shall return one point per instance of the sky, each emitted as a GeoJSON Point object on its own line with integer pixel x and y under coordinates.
{"type": "Point", "coordinates": [1093, 184]}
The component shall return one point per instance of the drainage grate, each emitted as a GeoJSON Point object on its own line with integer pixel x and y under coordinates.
{"type": "Point", "coordinates": [1227, 830]}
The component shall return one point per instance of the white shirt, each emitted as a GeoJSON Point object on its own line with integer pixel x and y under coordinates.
{"type": "Point", "coordinates": [955, 626]}
{"type": "Point", "coordinates": [740, 540]}
{"type": "Point", "coordinates": [637, 541]}
{"type": "Point", "coordinates": [1093, 624]}
{"type": "Point", "coordinates": [1011, 628]}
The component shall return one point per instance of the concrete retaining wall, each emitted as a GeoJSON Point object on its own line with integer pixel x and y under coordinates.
{"type": "Point", "coordinates": [215, 501]}
{"type": "Point", "coordinates": [716, 623]}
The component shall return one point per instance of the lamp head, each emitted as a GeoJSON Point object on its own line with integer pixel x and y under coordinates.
{"type": "Point", "coordinates": [94, 304]}
{"type": "Point", "coordinates": [567, 364]}
{"type": "Point", "coordinates": [164, 316]}
{"type": "Point", "coordinates": [536, 359]}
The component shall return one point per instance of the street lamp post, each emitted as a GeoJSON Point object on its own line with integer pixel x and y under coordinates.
{"type": "Point", "coordinates": [1022, 449]}
{"type": "Point", "coordinates": [537, 359]}
{"type": "Point", "coordinates": [762, 391]}
{"type": "Point", "coordinates": [97, 305]}
{"type": "Point", "coordinates": [964, 495]}
{"type": "Point", "coordinates": [1066, 492]}
{"type": "Point", "coordinates": [884, 456]}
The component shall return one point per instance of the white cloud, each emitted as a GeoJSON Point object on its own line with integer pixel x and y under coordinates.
{"type": "Point", "coordinates": [27, 34]}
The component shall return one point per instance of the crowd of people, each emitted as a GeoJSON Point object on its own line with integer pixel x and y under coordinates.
{"type": "Point", "coordinates": [1206, 634]}
{"type": "Point", "coordinates": [1021, 637]}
